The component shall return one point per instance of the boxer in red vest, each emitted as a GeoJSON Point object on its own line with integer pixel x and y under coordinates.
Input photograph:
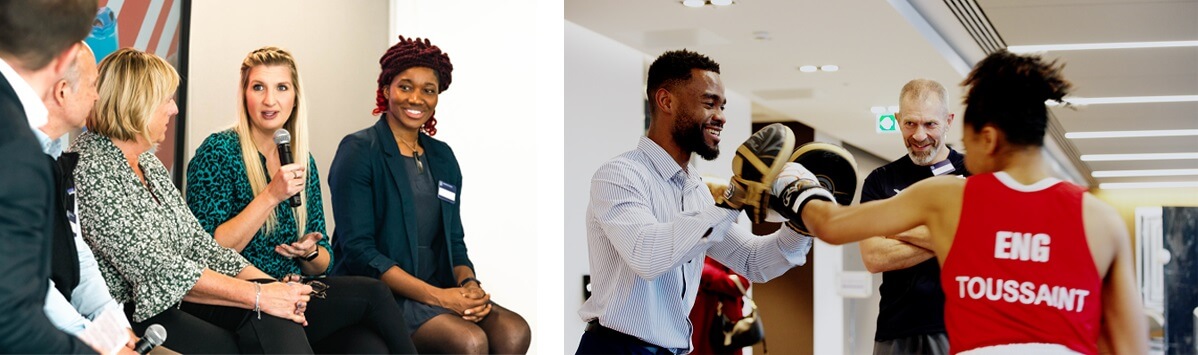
{"type": "Point", "coordinates": [1029, 263]}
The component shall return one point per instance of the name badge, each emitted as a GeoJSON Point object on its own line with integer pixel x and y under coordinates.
{"type": "Point", "coordinates": [447, 192]}
{"type": "Point", "coordinates": [942, 168]}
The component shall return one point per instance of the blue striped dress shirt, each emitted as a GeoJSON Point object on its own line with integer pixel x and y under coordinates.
{"type": "Point", "coordinates": [649, 224]}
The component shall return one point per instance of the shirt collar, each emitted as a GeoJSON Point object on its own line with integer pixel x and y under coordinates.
{"type": "Point", "coordinates": [662, 162]}
{"type": "Point", "coordinates": [52, 147]}
{"type": "Point", "coordinates": [35, 109]}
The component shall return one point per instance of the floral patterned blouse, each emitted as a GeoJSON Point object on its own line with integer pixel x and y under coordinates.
{"type": "Point", "coordinates": [217, 190]}
{"type": "Point", "coordinates": [150, 248]}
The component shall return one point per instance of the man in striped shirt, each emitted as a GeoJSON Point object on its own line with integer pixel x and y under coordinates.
{"type": "Point", "coordinates": [651, 220]}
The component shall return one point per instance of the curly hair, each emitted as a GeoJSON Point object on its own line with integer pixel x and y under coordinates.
{"type": "Point", "coordinates": [413, 52]}
{"type": "Point", "coordinates": [674, 67]}
{"type": "Point", "coordinates": [1008, 91]}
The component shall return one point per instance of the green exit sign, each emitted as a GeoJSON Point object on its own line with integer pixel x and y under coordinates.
{"type": "Point", "coordinates": [886, 123]}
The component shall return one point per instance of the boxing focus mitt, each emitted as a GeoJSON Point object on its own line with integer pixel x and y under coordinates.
{"type": "Point", "coordinates": [755, 166]}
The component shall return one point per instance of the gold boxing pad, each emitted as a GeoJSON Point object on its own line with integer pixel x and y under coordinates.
{"type": "Point", "coordinates": [754, 167]}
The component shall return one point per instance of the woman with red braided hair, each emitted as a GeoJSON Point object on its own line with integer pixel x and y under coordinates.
{"type": "Point", "coordinates": [396, 199]}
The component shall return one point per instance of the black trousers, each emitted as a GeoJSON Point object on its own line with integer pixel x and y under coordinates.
{"type": "Point", "coordinates": [935, 344]}
{"type": "Point", "coordinates": [206, 329]}
{"type": "Point", "coordinates": [357, 315]}
{"type": "Point", "coordinates": [602, 340]}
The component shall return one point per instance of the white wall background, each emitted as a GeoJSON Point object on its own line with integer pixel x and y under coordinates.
{"type": "Point", "coordinates": [336, 49]}
{"type": "Point", "coordinates": [604, 106]}
{"type": "Point", "coordinates": [506, 85]}
{"type": "Point", "coordinates": [501, 114]}
{"type": "Point", "coordinates": [861, 314]}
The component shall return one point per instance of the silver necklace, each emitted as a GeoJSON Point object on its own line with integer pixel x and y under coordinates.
{"type": "Point", "coordinates": [415, 154]}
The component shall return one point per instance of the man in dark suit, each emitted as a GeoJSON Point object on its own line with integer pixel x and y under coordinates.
{"type": "Point", "coordinates": [38, 41]}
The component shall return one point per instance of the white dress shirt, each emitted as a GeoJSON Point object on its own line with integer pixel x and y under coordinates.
{"type": "Point", "coordinates": [35, 109]}
{"type": "Point", "coordinates": [90, 297]}
{"type": "Point", "coordinates": [649, 225]}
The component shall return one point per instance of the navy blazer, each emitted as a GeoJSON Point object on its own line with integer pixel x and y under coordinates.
{"type": "Point", "coordinates": [27, 210]}
{"type": "Point", "coordinates": [373, 208]}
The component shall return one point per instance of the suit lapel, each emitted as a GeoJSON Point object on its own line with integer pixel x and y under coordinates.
{"type": "Point", "coordinates": [399, 175]}
{"type": "Point", "coordinates": [439, 166]}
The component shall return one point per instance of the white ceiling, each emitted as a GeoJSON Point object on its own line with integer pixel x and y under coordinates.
{"type": "Point", "coordinates": [879, 47]}
{"type": "Point", "coordinates": [875, 47]}
{"type": "Point", "coordinates": [1118, 72]}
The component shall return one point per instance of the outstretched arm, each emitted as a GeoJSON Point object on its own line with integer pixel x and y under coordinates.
{"type": "Point", "coordinates": [917, 205]}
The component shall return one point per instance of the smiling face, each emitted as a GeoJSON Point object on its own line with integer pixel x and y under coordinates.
{"type": "Point", "coordinates": [700, 116]}
{"type": "Point", "coordinates": [269, 97]}
{"type": "Point", "coordinates": [924, 124]}
{"type": "Point", "coordinates": [412, 97]}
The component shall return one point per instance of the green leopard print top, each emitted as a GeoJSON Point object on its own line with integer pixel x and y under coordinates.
{"type": "Point", "coordinates": [217, 190]}
{"type": "Point", "coordinates": [149, 247]}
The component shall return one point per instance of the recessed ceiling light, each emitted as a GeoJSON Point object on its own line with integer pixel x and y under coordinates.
{"type": "Point", "coordinates": [808, 68]}
{"type": "Point", "coordinates": [721, 2]}
{"type": "Point", "coordinates": [694, 3]}
{"type": "Point", "coordinates": [1136, 173]}
{"type": "Point", "coordinates": [1148, 156]}
{"type": "Point", "coordinates": [762, 35]}
{"type": "Point", "coordinates": [1125, 100]}
{"type": "Point", "coordinates": [1132, 134]}
{"type": "Point", "coordinates": [1147, 185]}
{"type": "Point", "coordinates": [1090, 46]}
{"type": "Point", "coordinates": [829, 67]}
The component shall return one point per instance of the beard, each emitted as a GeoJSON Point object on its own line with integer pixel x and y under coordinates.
{"type": "Point", "coordinates": [688, 132]}
{"type": "Point", "coordinates": [925, 158]}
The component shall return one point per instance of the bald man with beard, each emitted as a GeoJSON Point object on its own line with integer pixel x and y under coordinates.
{"type": "Point", "coordinates": [911, 312]}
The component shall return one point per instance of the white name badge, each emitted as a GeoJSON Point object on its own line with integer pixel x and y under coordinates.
{"type": "Point", "coordinates": [942, 168]}
{"type": "Point", "coordinates": [447, 192]}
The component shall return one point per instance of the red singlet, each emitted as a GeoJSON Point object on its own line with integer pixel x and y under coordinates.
{"type": "Point", "coordinates": [1020, 270]}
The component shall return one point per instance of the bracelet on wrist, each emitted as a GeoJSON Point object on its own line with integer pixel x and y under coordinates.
{"type": "Point", "coordinates": [257, 297]}
{"type": "Point", "coordinates": [467, 280]}
{"type": "Point", "coordinates": [313, 255]}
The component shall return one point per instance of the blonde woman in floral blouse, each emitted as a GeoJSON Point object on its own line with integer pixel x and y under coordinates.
{"type": "Point", "coordinates": [153, 254]}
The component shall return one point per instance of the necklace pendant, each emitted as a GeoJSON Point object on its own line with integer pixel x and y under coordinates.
{"type": "Point", "coordinates": [419, 165]}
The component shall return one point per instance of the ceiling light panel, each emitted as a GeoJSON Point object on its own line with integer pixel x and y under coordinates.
{"type": "Point", "coordinates": [1141, 173]}
{"type": "Point", "coordinates": [1132, 134]}
{"type": "Point", "coordinates": [1094, 46]}
{"type": "Point", "coordinates": [1147, 185]}
{"type": "Point", "coordinates": [1149, 156]}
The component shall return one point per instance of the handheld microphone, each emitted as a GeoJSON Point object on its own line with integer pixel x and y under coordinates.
{"type": "Point", "coordinates": [154, 336]}
{"type": "Point", "coordinates": [283, 140]}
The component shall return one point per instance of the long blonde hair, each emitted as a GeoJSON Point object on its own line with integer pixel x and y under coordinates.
{"type": "Point", "coordinates": [297, 125]}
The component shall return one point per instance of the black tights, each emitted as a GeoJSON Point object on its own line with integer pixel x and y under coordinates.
{"type": "Point", "coordinates": [501, 332]}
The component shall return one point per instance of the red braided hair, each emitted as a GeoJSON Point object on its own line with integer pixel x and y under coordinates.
{"type": "Point", "coordinates": [413, 52]}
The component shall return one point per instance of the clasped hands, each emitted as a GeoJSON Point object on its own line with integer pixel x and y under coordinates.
{"type": "Point", "coordinates": [470, 302]}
